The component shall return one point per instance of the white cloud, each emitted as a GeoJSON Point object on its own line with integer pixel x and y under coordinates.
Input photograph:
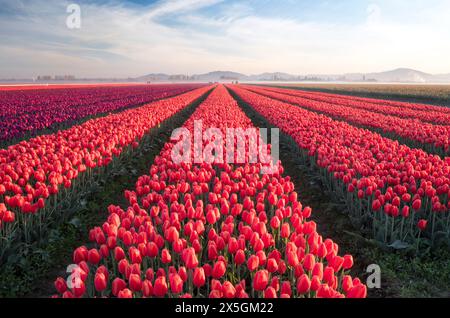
{"type": "Point", "coordinates": [178, 6]}
{"type": "Point", "coordinates": [116, 40]}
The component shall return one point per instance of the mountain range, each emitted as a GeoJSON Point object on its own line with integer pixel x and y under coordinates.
{"type": "Point", "coordinates": [400, 75]}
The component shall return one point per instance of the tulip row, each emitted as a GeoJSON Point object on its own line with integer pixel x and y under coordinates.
{"type": "Point", "coordinates": [37, 174]}
{"type": "Point", "coordinates": [421, 107]}
{"type": "Point", "coordinates": [433, 114]}
{"type": "Point", "coordinates": [402, 193]}
{"type": "Point", "coordinates": [432, 138]}
{"type": "Point", "coordinates": [210, 230]}
{"type": "Point", "coordinates": [27, 111]}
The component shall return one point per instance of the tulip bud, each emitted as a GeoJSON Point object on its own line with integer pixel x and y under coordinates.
{"type": "Point", "coordinates": [100, 283]}
{"type": "Point", "coordinates": [239, 257]}
{"type": "Point", "coordinates": [270, 292]}
{"type": "Point", "coordinates": [160, 287]}
{"type": "Point", "coordinates": [272, 265]}
{"type": "Point", "coordinates": [309, 262]}
{"type": "Point", "coordinates": [118, 285]}
{"type": "Point", "coordinates": [176, 283]}
{"type": "Point", "coordinates": [285, 230]}
{"type": "Point", "coordinates": [286, 288]}
{"type": "Point", "coordinates": [125, 293]}
{"type": "Point", "coordinates": [119, 254]}
{"type": "Point", "coordinates": [261, 280]}
{"type": "Point", "coordinates": [228, 290]}
{"type": "Point", "coordinates": [147, 288]}
{"type": "Point", "coordinates": [303, 284]}
{"type": "Point", "coordinates": [219, 269]}
{"type": "Point", "coordinates": [253, 263]}
{"type": "Point", "coordinates": [358, 291]}
{"type": "Point", "coordinates": [348, 262]}
{"type": "Point", "coordinates": [417, 204]}
{"type": "Point", "coordinates": [422, 225]}
{"type": "Point", "coordinates": [166, 258]}
{"type": "Point", "coordinates": [60, 285]}
{"type": "Point", "coordinates": [199, 277]}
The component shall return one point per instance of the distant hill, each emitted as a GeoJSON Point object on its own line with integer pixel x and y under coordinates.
{"type": "Point", "coordinates": [400, 75]}
{"type": "Point", "coordinates": [277, 76]}
{"type": "Point", "coordinates": [219, 76]}
{"type": "Point", "coordinates": [161, 77]}
{"type": "Point", "coordinates": [403, 75]}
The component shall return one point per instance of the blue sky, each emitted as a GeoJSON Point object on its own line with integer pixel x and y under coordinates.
{"type": "Point", "coordinates": [135, 37]}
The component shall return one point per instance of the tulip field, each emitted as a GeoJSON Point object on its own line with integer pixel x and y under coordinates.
{"type": "Point", "coordinates": [212, 228]}
{"type": "Point", "coordinates": [27, 111]}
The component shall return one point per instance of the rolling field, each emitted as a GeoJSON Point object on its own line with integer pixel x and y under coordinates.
{"type": "Point", "coordinates": [95, 203]}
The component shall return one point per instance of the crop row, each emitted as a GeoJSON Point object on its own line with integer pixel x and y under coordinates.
{"type": "Point", "coordinates": [35, 174]}
{"type": "Point", "coordinates": [210, 230]}
{"type": "Point", "coordinates": [408, 105]}
{"type": "Point", "coordinates": [433, 138]}
{"type": "Point", "coordinates": [401, 193]}
{"type": "Point", "coordinates": [433, 115]}
{"type": "Point", "coordinates": [29, 111]}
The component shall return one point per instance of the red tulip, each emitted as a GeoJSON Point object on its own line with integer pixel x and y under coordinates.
{"type": "Point", "coordinates": [199, 277]}
{"type": "Point", "coordinates": [125, 293]}
{"type": "Point", "coordinates": [147, 288]}
{"type": "Point", "coordinates": [100, 282]}
{"type": "Point", "coordinates": [219, 269]}
{"type": "Point", "coordinates": [166, 258]}
{"type": "Point", "coordinates": [348, 262]}
{"type": "Point", "coordinates": [190, 258]}
{"type": "Point", "coordinates": [253, 263]}
{"type": "Point", "coordinates": [417, 205]}
{"type": "Point", "coordinates": [228, 290]}
{"type": "Point", "coordinates": [272, 265]}
{"type": "Point", "coordinates": [239, 257]}
{"type": "Point", "coordinates": [285, 230]}
{"type": "Point", "coordinates": [80, 254]}
{"type": "Point", "coordinates": [94, 256]}
{"type": "Point", "coordinates": [261, 280]}
{"type": "Point", "coordinates": [119, 254]}
{"type": "Point", "coordinates": [286, 288]}
{"type": "Point", "coordinates": [152, 249]}
{"type": "Point", "coordinates": [60, 285]}
{"type": "Point", "coordinates": [160, 287]}
{"type": "Point", "coordinates": [422, 225]}
{"type": "Point", "coordinates": [358, 291]}
{"type": "Point", "coordinates": [275, 222]}
{"type": "Point", "coordinates": [405, 211]}
{"type": "Point", "coordinates": [303, 284]}
{"type": "Point", "coordinates": [135, 282]}
{"type": "Point", "coordinates": [309, 262]}
{"type": "Point", "coordinates": [8, 217]}
{"type": "Point", "coordinates": [118, 284]}
{"type": "Point", "coordinates": [270, 293]}
{"type": "Point", "coordinates": [78, 288]}
{"type": "Point", "coordinates": [176, 283]}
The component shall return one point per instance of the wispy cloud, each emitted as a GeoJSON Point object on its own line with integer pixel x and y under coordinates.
{"type": "Point", "coordinates": [186, 36]}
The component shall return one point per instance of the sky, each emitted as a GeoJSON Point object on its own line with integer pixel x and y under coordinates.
{"type": "Point", "coordinates": [136, 37]}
